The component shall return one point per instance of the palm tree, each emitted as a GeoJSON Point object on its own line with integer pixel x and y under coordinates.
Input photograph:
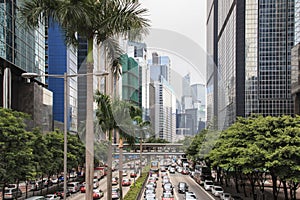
{"type": "Point", "coordinates": [107, 123]}
{"type": "Point", "coordinates": [124, 112]}
{"type": "Point", "coordinates": [92, 19]}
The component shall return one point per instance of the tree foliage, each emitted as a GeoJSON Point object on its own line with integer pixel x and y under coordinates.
{"type": "Point", "coordinates": [15, 146]}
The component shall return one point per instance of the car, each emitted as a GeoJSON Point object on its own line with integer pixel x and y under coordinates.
{"type": "Point", "coordinates": [166, 180]}
{"type": "Point", "coordinates": [152, 179]}
{"type": "Point", "coordinates": [149, 191]}
{"type": "Point", "coordinates": [73, 187]}
{"type": "Point", "coordinates": [97, 194]}
{"type": "Point", "coordinates": [172, 170]}
{"type": "Point", "coordinates": [95, 183]}
{"type": "Point", "coordinates": [115, 193]}
{"type": "Point", "coordinates": [60, 193]}
{"type": "Point", "coordinates": [168, 188]}
{"type": "Point", "coordinates": [47, 182]}
{"type": "Point", "coordinates": [163, 169]}
{"type": "Point", "coordinates": [149, 187]}
{"type": "Point", "coordinates": [225, 196]}
{"type": "Point", "coordinates": [12, 193]}
{"type": "Point", "coordinates": [35, 185]}
{"type": "Point", "coordinates": [54, 180]}
{"type": "Point", "coordinates": [167, 196]}
{"type": "Point", "coordinates": [208, 184]}
{"type": "Point", "coordinates": [52, 197]}
{"type": "Point", "coordinates": [179, 169]}
{"type": "Point", "coordinates": [133, 174]}
{"type": "Point", "coordinates": [217, 190]}
{"type": "Point", "coordinates": [235, 197]}
{"type": "Point", "coordinates": [126, 182]}
{"type": "Point", "coordinates": [154, 175]}
{"type": "Point", "coordinates": [162, 174]}
{"type": "Point", "coordinates": [182, 187]}
{"type": "Point", "coordinates": [152, 183]}
{"type": "Point", "coordinates": [82, 187]}
{"type": "Point", "coordinates": [190, 196]}
{"type": "Point", "coordinates": [114, 181]}
{"type": "Point", "coordinates": [150, 197]}
{"type": "Point", "coordinates": [185, 172]}
{"type": "Point", "coordinates": [124, 173]}
{"type": "Point", "coordinates": [36, 198]}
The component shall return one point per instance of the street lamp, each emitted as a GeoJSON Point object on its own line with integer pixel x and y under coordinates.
{"type": "Point", "coordinates": [65, 76]}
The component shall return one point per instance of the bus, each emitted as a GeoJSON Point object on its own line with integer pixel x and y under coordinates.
{"type": "Point", "coordinates": [154, 167]}
{"type": "Point", "coordinates": [204, 171]}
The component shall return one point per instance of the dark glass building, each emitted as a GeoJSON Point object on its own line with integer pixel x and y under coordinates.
{"type": "Point", "coordinates": [250, 43]}
{"type": "Point", "coordinates": [23, 50]}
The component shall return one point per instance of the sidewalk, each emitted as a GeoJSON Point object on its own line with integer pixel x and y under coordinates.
{"type": "Point", "coordinates": [268, 192]}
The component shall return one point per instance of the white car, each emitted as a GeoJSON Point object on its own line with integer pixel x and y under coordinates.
{"type": "Point", "coordinates": [225, 196]}
{"type": "Point", "coordinates": [95, 183]}
{"type": "Point", "coordinates": [172, 170]}
{"type": "Point", "coordinates": [190, 196]}
{"type": "Point", "coordinates": [208, 184]}
{"type": "Point", "coordinates": [52, 197]}
{"type": "Point", "coordinates": [54, 180]}
{"type": "Point", "coordinates": [124, 173]}
{"type": "Point", "coordinates": [217, 190]}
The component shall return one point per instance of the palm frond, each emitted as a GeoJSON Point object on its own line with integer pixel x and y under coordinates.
{"type": "Point", "coordinates": [34, 11]}
{"type": "Point", "coordinates": [112, 48]}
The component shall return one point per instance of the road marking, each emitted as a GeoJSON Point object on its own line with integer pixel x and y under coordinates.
{"type": "Point", "coordinates": [208, 194]}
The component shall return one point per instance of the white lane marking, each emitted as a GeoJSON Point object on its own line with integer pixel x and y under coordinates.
{"type": "Point", "coordinates": [208, 194]}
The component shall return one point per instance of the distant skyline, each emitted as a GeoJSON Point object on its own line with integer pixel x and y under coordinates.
{"type": "Point", "coordinates": [180, 32]}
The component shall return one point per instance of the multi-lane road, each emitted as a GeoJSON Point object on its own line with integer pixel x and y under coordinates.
{"type": "Point", "coordinates": [193, 187]}
{"type": "Point", "coordinates": [103, 184]}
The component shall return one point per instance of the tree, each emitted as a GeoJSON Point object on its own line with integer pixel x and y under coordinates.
{"type": "Point", "coordinates": [258, 145]}
{"type": "Point", "coordinates": [15, 148]}
{"type": "Point", "coordinates": [55, 144]}
{"type": "Point", "coordinates": [92, 19]}
{"type": "Point", "coordinates": [107, 123]}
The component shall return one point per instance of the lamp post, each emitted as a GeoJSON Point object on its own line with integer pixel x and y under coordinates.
{"type": "Point", "coordinates": [65, 76]}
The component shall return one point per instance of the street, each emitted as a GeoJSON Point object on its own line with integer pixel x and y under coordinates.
{"type": "Point", "coordinates": [193, 187]}
{"type": "Point", "coordinates": [103, 184]}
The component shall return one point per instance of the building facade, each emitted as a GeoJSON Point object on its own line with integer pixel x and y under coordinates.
{"type": "Point", "coordinates": [162, 100]}
{"type": "Point", "coordinates": [62, 59]}
{"type": "Point", "coordinates": [250, 43]}
{"type": "Point", "coordinates": [23, 50]}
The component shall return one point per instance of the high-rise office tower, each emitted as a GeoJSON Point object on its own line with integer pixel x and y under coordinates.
{"type": "Point", "coordinates": [250, 43]}
{"type": "Point", "coordinates": [23, 50]}
{"type": "Point", "coordinates": [162, 100]}
{"type": "Point", "coordinates": [62, 59]}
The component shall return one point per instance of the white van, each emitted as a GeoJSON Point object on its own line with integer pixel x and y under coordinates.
{"type": "Point", "coordinates": [73, 187]}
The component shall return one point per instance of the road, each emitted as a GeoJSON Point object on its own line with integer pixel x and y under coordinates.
{"type": "Point", "coordinates": [193, 187]}
{"type": "Point", "coordinates": [103, 185]}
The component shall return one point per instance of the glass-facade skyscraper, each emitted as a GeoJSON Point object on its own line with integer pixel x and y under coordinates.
{"type": "Point", "coordinates": [62, 59]}
{"type": "Point", "coordinates": [250, 43]}
{"type": "Point", "coordinates": [23, 50]}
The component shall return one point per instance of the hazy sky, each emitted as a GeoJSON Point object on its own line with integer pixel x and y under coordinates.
{"type": "Point", "coordinates": [187, 17]}
{"type": "Point", "coordinates": [178, 30]}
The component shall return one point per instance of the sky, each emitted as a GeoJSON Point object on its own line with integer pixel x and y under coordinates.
{"type": "Point", "coordinates": [178, 29]}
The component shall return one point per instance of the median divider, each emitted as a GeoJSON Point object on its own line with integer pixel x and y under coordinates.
{"type": "Point", "coordinates": [136, 192]}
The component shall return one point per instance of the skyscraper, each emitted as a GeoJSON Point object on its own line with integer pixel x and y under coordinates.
{"type": "Point", "coordinates": [162, 99]}
{"type": "Point", "coordinates": [62, 59]}
{"type": "Point", "coordinates": [23, 50]}
{"type": "Point", "coordinates": [250, 42]}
